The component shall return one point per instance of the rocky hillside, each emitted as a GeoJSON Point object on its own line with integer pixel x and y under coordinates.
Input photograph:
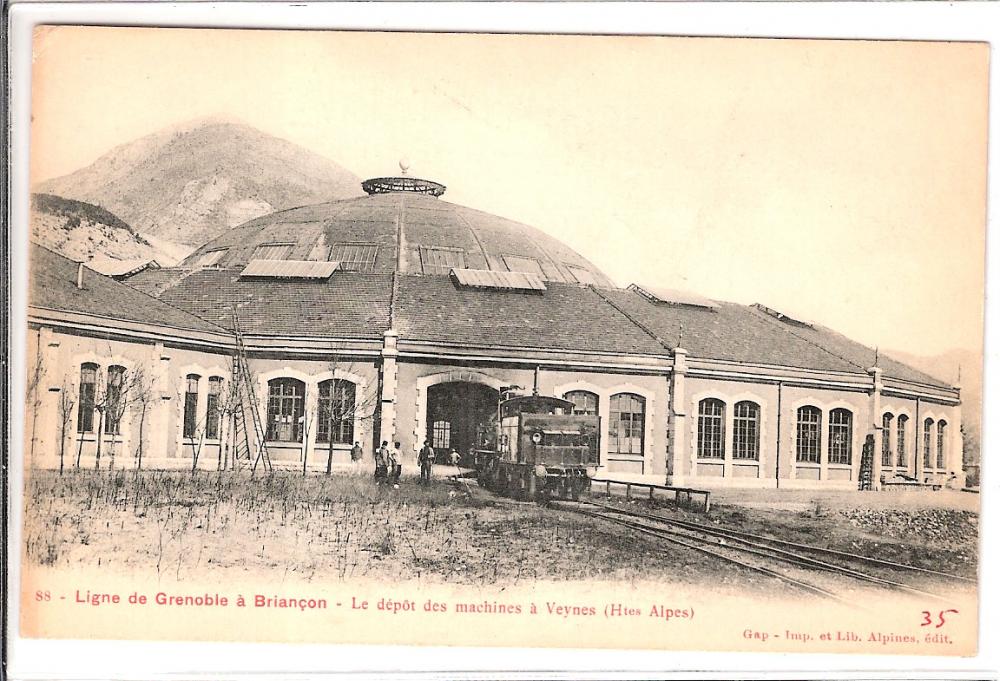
{"type": "Point", "coordinates": [189, 183]}
{"type": "Point", "coordinates": [83, 231]}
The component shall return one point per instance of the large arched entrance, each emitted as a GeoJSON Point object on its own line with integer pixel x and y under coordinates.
{"type": "Point", "coordinates": [461, 416]}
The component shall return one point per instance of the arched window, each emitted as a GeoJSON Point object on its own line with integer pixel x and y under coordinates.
{"type": "Point", "coordinates": [901, 440]}
{"type": "Point", "coordinates": [114, 406]}
{"type": "Point", "coordinates": [746, 431]}
{"type": "Point", "coordinates": [928, 425]}
{"type": "Point", "coordinates": [191, 406]}
{"type": "Point", "coordinates": [584, 402]}
{"type": "Point", "coordinates": [841, 436]}
{"type": "Point", "coordinates": [807, 434]}
{"type": "Point", "coordinates": [88, 394]}
{"type": "Point", "coordinates": [942, 426]}
{"type": "Point", "coordinates": [336, 412]}
{"type": "Point", "coordinates": [212, 407]}
{"type": "Point", "coordinates": [627, 425]}
{"type": "Point", "coordinates": [886, 442]}
{"type": "Point", "coordinates": [711, 429]}
{"type": "Point", "coordinates": [285, 406]}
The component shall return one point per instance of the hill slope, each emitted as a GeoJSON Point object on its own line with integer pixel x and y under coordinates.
{"type": "Point", "coordinates": [188, 184]}
{"type": "Point", "coordinates": [83, 231]}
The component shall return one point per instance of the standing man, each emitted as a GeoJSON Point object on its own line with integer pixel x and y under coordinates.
{"type": "Point", "coordinates": [426, 459]}
{"type": "Point", "coordinates": [381, 461]}
{"type": "Point", "coordinates": [395, 467]}
{"type": "Point", "coordinates": [356, 452]}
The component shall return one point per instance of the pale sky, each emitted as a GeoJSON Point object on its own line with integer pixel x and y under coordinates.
{"type": "Point", "coordinates": [843, 181]}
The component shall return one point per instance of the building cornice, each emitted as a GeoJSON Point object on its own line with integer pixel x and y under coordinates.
{"type": "Point", "coordinates": [129, 329]}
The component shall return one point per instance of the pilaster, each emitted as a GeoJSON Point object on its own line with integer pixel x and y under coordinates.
{"type": "Point", "coordinates": [875, 424]}
{"type": "Point", "coordinates": [678, 421]}
{"type": "Point", "coordinates": [387, 398]}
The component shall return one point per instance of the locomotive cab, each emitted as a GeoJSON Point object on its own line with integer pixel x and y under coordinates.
{"type": "Point", "coordinates": [543, 449]}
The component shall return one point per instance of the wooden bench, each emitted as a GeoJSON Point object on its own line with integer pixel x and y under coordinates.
{"type": "Point", "coordinates": [682, 496]}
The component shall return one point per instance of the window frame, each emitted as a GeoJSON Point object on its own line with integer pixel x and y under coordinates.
{"type": "Point", "coordinates": [441, 435]}
{"type": "Point", "coordinates": [289, 406]}
{"type": "Point", "coordinates": [428, 267]}
{"type": "Point", "coordinates": [616, 421]}
{"type": "Point", "coordinates": [584, 410]}
{"type": "Point", "coordinates": [901, 440]}
{"type": "Point", "coordinates": [333, 396]}
{"type": "Point", "coordinates": [746, 432]}
{"type": "Point", "coordinates": [887, 453]}
{"type": "Point", "coordinates": [711, 438]}
{"type": "Point", "coordinates": [287, 245]}
{"type": "Point", "coordinates": [539, 271]}
{"type": "Point", "coordinates": [213, 414]}
{"type": "Point", "coordinates": [189, 421]}
{"type": "Point", "coordinates": [804, 453]}
{"type": "Point", "coordinates": [840, 437]}
{"type": "Point", "coordinates": [87, 397]}
{"type": "Point", "coordinates": [369, 251]}
{"type": "Point", "coordinates": [941, 459]}
{"type": "Point", "coordinates": [928, 423]}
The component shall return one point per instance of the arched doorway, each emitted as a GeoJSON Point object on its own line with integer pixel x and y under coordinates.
{"type": "Point", "coordinates": [461, 416]}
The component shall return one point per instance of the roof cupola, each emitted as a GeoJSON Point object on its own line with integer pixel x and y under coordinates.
{"type": "Point", "coordinates": [402, 183]}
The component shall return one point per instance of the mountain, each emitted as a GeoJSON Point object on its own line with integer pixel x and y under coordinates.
{"type": "Point", "coordinates": [189, 183]}
{"type": "Point", "coordinates": [945, 367]}
{"type": "Point", "coordinates": [83, 231]}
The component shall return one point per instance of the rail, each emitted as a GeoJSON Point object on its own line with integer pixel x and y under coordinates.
{"type": "Point", "coordinates": [683, 496]}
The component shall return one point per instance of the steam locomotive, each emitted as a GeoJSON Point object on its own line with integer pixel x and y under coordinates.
{"type": "Point", "coordinates": [543, 450]}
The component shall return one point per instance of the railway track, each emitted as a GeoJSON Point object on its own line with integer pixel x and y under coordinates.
{"type": "Point", "coordinates": [773, 558]}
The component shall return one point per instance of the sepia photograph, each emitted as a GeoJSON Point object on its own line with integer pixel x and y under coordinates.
{"type": "Point", "coordinates": [473, 339]}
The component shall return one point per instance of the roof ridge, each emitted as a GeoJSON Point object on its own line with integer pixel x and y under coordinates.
{"type": "Point", "coordinates": [784, 327]}
{"type": "Point", "coordinates": [629, 317]}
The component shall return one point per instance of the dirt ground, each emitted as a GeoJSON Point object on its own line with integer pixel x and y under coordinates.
{"type": "Point", "coordinates": [933, 530]}
{"type": "Point", "coordinates": [175, 525]}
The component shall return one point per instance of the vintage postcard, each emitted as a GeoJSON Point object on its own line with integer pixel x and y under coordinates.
{"type": "Point", "coordinates": [504, 340]}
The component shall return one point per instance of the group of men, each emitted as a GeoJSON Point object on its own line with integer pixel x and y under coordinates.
{"type": "Point", "coordinates": [387, 463]}
{"type": "Point", "coordinates": [388, 467]}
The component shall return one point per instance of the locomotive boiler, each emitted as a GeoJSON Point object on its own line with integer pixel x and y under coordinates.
{"type": "Point", "coordinates": [543, 450]}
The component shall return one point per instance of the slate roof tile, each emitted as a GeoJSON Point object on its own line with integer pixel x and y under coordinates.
{"type": "Point", "coordinates": [53, 286]}
{"type": "Point", "coordinates": [433, 308]}
{"type": "Point", "coordinates": [347, 305]}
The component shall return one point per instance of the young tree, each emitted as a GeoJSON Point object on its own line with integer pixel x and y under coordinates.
{"type": "Point", "coordinates": [142, 397]}
{"type": "Point", "coordinates": [344, 404]}
{"type": "Point", "coordinates": [67, 400]}
{"type": "Point", "coordinates": [306, 423]}
{"type": "Point", "coordinates": [33, 400]}
{"type": "Point", "coordinates": [121, 388]}
{"type": "Point", "coordinates": [193, 429]}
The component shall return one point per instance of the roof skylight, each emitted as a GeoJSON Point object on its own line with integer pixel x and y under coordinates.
{"type": "Point", "coordinates": [666, 296]}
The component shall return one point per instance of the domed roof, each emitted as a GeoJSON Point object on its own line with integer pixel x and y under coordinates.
{"type": "Point", "coordinates": [402, 226]}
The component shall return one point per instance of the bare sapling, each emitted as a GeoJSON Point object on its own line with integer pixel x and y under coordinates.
{"type": "Point", "coordinates": [306, 423]}
{"type": "Point", "coordinates": [343, 408]}
{"type": "Point", "coordinates": [67, 400]}
{"type": "Point", "coordinates": [32, 389]}
{"type": "Point", "coordinates": [142, 397]}
{"type": "Point", "coordinates": [121, 389]}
